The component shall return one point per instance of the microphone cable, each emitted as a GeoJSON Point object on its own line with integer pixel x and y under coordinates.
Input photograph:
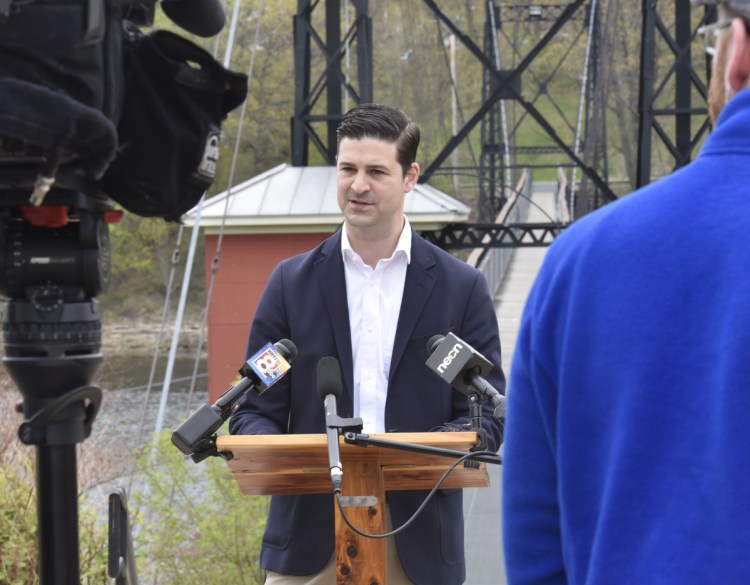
{"type": "Point", "coordinates": [421, 507]}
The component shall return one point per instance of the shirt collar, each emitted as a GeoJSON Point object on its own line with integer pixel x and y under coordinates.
{"type": "Point", "coordinates": [403, 244]}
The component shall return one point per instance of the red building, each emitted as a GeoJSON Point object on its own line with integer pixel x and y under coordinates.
{"type": "Point", "coordinates": [282, 212]}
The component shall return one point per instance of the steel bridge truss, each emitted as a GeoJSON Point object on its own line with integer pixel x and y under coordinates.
{"type": "Point", "coordinates": [505, 84]}
{"type": "Point", "coordinates": [334, 47]}
{"type": "Point", "coordinates": [654, 121]}
{"type": "Point", "coordinates": [462, 236]}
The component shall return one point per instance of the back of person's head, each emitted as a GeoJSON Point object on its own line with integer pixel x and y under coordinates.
{"type": "Point", "coordinates": [730, 9]}
{"type": "Point", "coordinates": [730, 72]}
{"type": "Point", "coordinates": [383, 123]}
{"type": "Point", "coordinates": [739, 8]}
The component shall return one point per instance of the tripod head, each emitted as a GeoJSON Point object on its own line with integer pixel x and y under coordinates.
{"type": "Point", "coordinates": [54, 260]}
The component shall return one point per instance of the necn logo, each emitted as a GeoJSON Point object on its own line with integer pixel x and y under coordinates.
{"type": "Point", "coordinates": [448, 359]}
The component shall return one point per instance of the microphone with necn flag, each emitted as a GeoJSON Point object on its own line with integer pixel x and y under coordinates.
{"type": "Point", "coordinates": [329, 390]}
{"type": "Point", "coordinates": [464, 368]}
{"type": "Point", "coordinates": [259, 373]}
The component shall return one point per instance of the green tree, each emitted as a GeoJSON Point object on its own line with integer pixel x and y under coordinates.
{"type": "Point", "coordinates": [193, 524]}
{"type": "Point", "coordinates": [142, 253]}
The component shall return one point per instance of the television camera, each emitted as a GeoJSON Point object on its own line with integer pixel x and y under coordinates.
{"type": "Point", "coordinates": [74, 75]}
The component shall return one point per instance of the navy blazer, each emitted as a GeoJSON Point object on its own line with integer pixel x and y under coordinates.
{"type": "Point", "coordinates": [305, 301]}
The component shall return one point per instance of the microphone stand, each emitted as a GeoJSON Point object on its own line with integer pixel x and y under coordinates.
{"type": "Point", "coordinates": [364, 440]}
{"type": "Point", "coordinates": [475, 412]}
{"type": "Point", "coordinates": [352, 436]}
{"type": "Point", "coordinates": [348, 542]}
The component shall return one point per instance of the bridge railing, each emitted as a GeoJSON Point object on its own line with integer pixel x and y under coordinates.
{"type": "Point", "coordinates": [493, 262]}
{"type": "Point", "coordinates": [561, 201]}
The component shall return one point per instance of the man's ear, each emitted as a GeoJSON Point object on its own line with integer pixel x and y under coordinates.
{"type": "Point", "coordinates": [411, 177]}
{"type": "Point", "coordinates": [738, 60]}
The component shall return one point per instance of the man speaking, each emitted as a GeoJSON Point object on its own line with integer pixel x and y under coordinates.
{"type": "Point", "coordinates": [371, 296]}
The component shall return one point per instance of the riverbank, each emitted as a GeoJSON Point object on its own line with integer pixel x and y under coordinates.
{"type": "Point", "coordinates": [143, 338]}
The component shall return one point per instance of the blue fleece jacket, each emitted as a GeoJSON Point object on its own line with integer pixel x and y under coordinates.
{"type": "Point", "coordinates": [627, 451]}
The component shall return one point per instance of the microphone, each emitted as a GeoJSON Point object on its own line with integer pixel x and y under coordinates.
{"type": "Point", "coordinates": [259, 373]}
{"type": "Point", "coordinates": [329, 390]}
{"type": "Point", "coordinates": [204, 18]}
{"type": "Point", "coordinates": [464, 368]}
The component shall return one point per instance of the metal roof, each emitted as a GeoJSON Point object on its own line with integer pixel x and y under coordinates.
{"type": "Point", "coordinates": [303, 199]}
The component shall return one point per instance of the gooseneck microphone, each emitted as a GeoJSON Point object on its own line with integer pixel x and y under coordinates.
{"type": "Point", "coordinates": [329, 389]}
{"type": "Point", "coordinates": [464, 368]}
{"type": "Point", "coordinates": [259, 373]}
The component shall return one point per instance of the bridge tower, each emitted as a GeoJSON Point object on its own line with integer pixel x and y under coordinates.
{"type": "Point", "coordinates": [670, 126]}
{"type": "Point", "coordinates": [319, 102]}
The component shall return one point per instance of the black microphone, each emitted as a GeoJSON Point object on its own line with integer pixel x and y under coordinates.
{"type": "Point", "coordinates": [259, 373]}
{"type": "Point", "coordinates": [204, 18]}
{"type": "Point", "coordinates": [464, 368]}
{"type": "Point", "coordinates": [329, 390]}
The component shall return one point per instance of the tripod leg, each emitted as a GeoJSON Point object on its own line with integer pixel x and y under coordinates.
{"type": "Point", "coordinates": [57, 510]}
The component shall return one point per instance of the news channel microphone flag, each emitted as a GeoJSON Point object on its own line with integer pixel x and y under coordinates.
{"type": "Point", "coordinates": [269, 364]}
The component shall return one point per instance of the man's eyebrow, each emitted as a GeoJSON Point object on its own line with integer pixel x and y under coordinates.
{"type": "Point", "coordinates": [369, 167]}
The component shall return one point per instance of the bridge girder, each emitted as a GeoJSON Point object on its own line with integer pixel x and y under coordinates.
{"type": "Point", "coordinates": [335, 85]}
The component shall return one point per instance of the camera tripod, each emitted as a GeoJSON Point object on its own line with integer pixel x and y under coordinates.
{"type": "Point", "coordinates": [54, 260]}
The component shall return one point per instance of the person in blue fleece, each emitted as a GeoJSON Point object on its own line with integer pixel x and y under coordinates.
{"type": "Point", "coordinates": [627, 443]}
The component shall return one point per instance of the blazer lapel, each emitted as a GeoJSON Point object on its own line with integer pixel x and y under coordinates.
{"type": "Point", "coordinates": [417, 287]}
{"type": "Point", "coordinates": [332, 282]}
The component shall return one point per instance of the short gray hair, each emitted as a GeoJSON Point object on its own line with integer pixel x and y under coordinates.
{"type": "Point", "coordinates": [740, 8]}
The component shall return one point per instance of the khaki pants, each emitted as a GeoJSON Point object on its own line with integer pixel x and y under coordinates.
{"type": "Point", "coordinates": [327, 576]}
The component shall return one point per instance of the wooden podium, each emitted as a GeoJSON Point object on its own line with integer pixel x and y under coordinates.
{"type": "Point", "coordinates": [298, 464]}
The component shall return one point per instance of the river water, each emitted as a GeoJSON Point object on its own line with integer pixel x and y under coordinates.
{"type": "Point", "coordinates": [129, 410]}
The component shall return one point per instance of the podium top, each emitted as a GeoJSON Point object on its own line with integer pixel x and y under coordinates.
{"type": "Point", "coordinates": [298, 464]}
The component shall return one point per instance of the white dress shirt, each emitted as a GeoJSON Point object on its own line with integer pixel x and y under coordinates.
{"type": "Point", "coordinates": [374, 298]}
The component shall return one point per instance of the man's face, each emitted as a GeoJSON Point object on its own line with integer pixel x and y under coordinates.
{"type": "Point", "coordinates": [371, 185]}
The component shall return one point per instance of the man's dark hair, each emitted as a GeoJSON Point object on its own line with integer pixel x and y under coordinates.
{"type": "Point", "coordinates": [384, 123]}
